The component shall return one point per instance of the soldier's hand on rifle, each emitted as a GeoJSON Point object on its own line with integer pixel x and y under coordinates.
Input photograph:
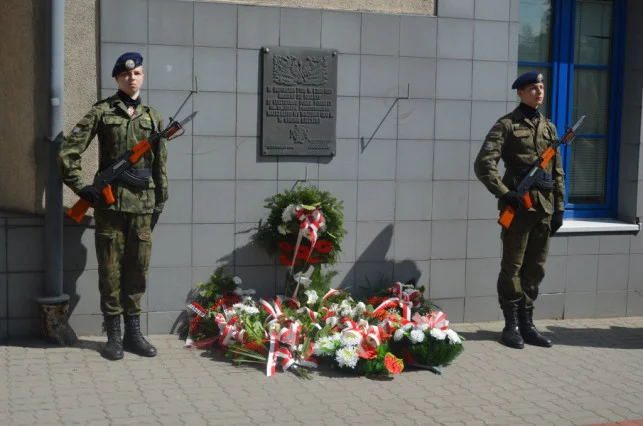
{"type": "Point", "coordinates": [513, 199]}
{"type": "Point", "coordinates": [89, 193]}
{"type": "Point", "coordinates": [556, 222]}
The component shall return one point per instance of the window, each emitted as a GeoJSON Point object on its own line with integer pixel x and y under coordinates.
{"type": "Point", "coordinates": [577, 46]}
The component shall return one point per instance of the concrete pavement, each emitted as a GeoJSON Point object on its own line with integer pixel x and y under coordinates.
{"type": "Point", "coordinates": [593, 374]}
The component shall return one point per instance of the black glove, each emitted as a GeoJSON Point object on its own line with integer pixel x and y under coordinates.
{"type": "Point", "coordinates": [89, 193]}
{"type": "Point", "coordinates": [513, 199]}
{"type": "Point", "coordinates": [556, 222]}
{"type": "Point", "coordinates": [155, 218]}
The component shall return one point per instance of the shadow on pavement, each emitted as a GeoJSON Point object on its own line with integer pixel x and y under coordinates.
{"type": "Point", "coordinates": [40, 344]}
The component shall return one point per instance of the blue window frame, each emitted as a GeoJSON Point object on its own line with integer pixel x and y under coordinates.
{"type": "Point", "coordinates": [578, 46]}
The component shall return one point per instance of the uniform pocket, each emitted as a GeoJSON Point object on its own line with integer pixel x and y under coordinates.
{"type": "Point", "coordinates": [144, 249]}
{"type": "Point", "coordinates": [112, 120]}
{"type": "Point", "coordinates": [107, 248]}
{"type": "Point", "coordinates": [522, 133]}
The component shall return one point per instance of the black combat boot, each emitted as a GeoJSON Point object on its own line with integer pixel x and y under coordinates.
{"type": "Point", "coordinates": [511, 334]}
{"type": "Point", "coordinates": [113, 350]}
{"type": "Point", "coordinates": [133, 340]}
{"type": "Point", "coordinates": [529, 331]}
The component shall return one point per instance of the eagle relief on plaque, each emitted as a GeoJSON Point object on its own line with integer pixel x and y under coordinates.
{"type": "Point", "coordinates": [299, 101]}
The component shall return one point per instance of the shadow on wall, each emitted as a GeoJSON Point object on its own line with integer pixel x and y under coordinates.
{"type": "Point", "coordinates": [76, 238]}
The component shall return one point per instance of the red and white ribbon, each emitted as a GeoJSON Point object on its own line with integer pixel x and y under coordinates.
{"type": "Point", "coordinates": [311, 222]}
{"type": "Point", "coordinates": [435, 319]}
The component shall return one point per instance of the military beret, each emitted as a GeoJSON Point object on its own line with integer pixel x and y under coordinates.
{"type": "Point", "coordinates": [527, 78]}
{"type": "Point", "coordinates": [127, 61]}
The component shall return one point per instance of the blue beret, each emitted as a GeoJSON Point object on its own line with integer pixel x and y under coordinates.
{"type": "Point", "coordinates": [127, 61]}
{"type": "Point", "coordinates": [527, 78]}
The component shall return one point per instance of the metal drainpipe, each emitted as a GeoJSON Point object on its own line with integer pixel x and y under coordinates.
{"type": "Point", "coordinates": [54, 304]}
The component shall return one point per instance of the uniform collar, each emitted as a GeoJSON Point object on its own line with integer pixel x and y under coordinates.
{"type": "Point", "coordinates": [116, 102]}
{"type": "Point", "coordinates": [518, 115]}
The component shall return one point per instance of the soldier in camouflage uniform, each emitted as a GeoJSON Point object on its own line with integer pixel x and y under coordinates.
{"type": "Point", "coordinates": [123, 229]}
{"type": "Point", "coordinates": [519, 138]}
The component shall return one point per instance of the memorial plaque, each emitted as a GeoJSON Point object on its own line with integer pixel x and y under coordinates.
{"type": "Point", "coordinates": [299, 101]}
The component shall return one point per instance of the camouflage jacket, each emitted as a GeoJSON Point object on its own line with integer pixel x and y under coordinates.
{"type": "Point", "coordinates": [519, 143]}
{"type": "Point", "coordinates": [118, 132]}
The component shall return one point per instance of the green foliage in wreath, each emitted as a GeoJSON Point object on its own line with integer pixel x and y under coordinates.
{"type": "Point", "coordinates": [431, 352]}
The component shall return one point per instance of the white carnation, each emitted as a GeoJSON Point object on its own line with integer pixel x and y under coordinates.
{"type": "Point", "coordinates": [312, 297]}
{"type": "Point", "coordinates": [407, 326]}
{"type": "Point", "coordinates": [398, 335]}
{"type": "Point", "coordinates": [332, 321]}
{"type": "Point", "coordinates": [424, 326]}
{"type": "Point", "coordinates": [453, 337]}
{"type": "Point", "coordinates": [238, 281]}
{"type": "Point", "coordinates": [438, 334]}
{"type": "Point", "coordinates": [283, 229]}
{"type": "Point", "coordinates": [360, 307]}
{"type": "Point", "coordinates": [416, 336]}
{"type": "Point", "coordinates": [288, 213]}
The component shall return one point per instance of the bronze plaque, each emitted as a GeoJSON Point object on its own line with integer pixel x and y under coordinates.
{"type": "Point", "coordinates": [299, 101]}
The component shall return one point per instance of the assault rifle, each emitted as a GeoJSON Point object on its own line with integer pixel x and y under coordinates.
{"type": "Point", "coordinates": [121, 168]}
{"type": "Point", "coordinates": [536, 173]}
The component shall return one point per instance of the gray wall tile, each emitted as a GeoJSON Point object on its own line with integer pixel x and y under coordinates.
{"type": "Point", "coordinates": [455, 38]}
{"type": "Point", "coordinates": [167, 102]}
{"type": "Point", "coordinates": [550, 306]}
{"type": "Point", "coordinates": [481, 309]}
{"type": "Point", "coordinates": [23, 288]}
{"type": "Point", "coordinates": [417, 270]}
{"type": "Point", "coordinates": [379, 76]}
{"type": "Point", "coordinates": [170, 68]}
{"type": "Point", "coordinates": [483, 239]}
{"type": "Point", "coordinates": [611, 304]}
{"type": "Point", "coordinates": [449, 239]}
{"type": "Point", "coordinates": [514, 28]}
{"type": "Point", "coordinates": [26, 249]}
{"type": "Point", "coordinates": [416, 119]}
{"type": "Point", "coordinates": [417, 75]}
{"type": "Point", "coordinates": [613, 271]}
{"type": "Point", "coordinates": [493, 10]}
{"type": "Point", "coordinates": [3, 249]}
{"type": "Point", "coordinates": [450, 200]}
{"type": "Point", "coordinates": [249, 199]}
{"type": "Point", "coordinates": [371, 113]}
{"type": "Point", "coordinates": [168, 288]}
{"type": "Point", "coordinates": [172, 245]}
{"type": "Point", "coordinates": [250, 165]}
{"type": "Point", "coordinates": [248, 73]}
{"type": "Point", "coordinates": [214, 157]}
{"type": "Point", "coordinates": [88, 325]}
{"type": "Point", "coordinates": [248, 115]}
{"type": "Point", "coordinates": [636, 243]}
{"type": "Point", "coordinates": [376, 162]}
{"type": "Point", "coordinates": [4, 294]}
{"type": "Point", "coordinates": [413, 240]}
{"type": "Point", "coordinates": [165, 322]}
{"type": "Point", "coordinates": [215, 24]}
{"type": "Point", "coordinates": [491, 41]}
{"type": "Point", "coordinates": [262, 277]}
{"type": "Point", "coordinates": [178, 208]}
{"type": "Point", "coordinates": [414, 160]}
{"type": "Point", "coordinates": [451, 160]}
{"type": "Point", "coordinates": [558, 246]}
{"type": "Point", "coordinates": [342, 166]}
{"type": "Point", "coordinates": [490, 81]}
{"type": "Point", "coordinates": [341, 31]}
{"type": "Point", "coordinates": [635, 280]}
{"type": "Point", "coordinates": [348, 75]}
{"type": "Point", "coordinates": [374, 242]}
{"type": "Point", "coordinates": [216, 68]}
{"type": "Point", "coordinates": [79, 250]}
{"type": "Point", "coordinates": [211, 243]}
{"type": "Point", "coordinates": [349, 243]}
{"type": "Point", "coordinates": [179, 158]}
{"type": "Point", "coordinates": [447, 124]}
{"type": "Point", "coordinates": [378, 274]}
{"type": "Point", "coordinates": [413, 200]}
{"type": "Point", "coordinates": [213, 201]}
{"type": "Point", "coordinates": [580, 305]}
{"type": "Point", "coordinates": [257, 27]}
{"type": "Point", "coordinates": [245, 251]}
{"type": "Point", "coordinates": [634, 303]}
{"type": "Point", "coordinates": [614, 244]}
{"type": "Point", "coordinates": [345, 277]}
{"type": "Point", "coordinates": [482, 277]}
{"type": "Point", "coordinates": [418, 36]}
{"type": "Point", "coordinates": [482, 204]}
{"type": "Point", "coordinates": [456, 9]}
{"type": "Point", "coordinates": [555, 275]}
{"type": "Point", "coordinates": [347, 117]}
{"type": "Point", "coordinates": [109, 52]}
{"type": "Point", "coordinates": [345, 191]}
{"type": "Point", "coordinates": [300, 27]}
{"type": "Point", "coordinates": [454, 78]}
{"type": "Point", "coordinates": [375, 200]}
{"type": "Point", "coordinates": [586, 244]}
{"type": "Point", "coordinates": [483, 116]}
{"type": "Point", "coordinates": [217, 114]}
{"type": "Point", "coordinates": [453, 307]}
{"type": "Point", "coordinates": [298, 168]}
{"type": "Point", "coordinates": [380, 34]}
{"type": "Point", "coordinates": [123, 21]}
{"type": "Point", "coordinates": [171, 23]}
{"type": "Point", "coordinates": [514, 10]}
{"type": "Point", "coordinates": [448, 279]}
{"type": "Point", "coordinates": [582, 273]}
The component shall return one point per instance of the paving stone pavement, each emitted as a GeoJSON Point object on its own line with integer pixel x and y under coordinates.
{"type": "Point", "coordinates": [593, 374]}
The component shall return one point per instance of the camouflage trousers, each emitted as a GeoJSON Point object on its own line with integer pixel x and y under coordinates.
{"type": "Point", "coordinates": [524, 252]}
{"type": "Point", "coordinates": [123, 249]}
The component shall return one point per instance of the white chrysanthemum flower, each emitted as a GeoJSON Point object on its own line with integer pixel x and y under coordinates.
{"type": "Point", "coordinates": [453, 337]}
{"type": "Point", "coordinates": [347, 357]}
{"type": "Point", "coordinates": [336, 338]}
{"type": "Point", "coordinates": [360, 307]}
{"type": "Point", "coordinates": [283, 229]}
{"type": "Point", "coordinates": [251, 310]}
{"type": "Point", "coordinates": [407, 326]}
{"type": "Point", "coordinates": [416, 336]}
{"type": "Point", "coordinates": [423, 327]}
{"type": "Point", "coordinates": [399, 333]}
{"type": "Point", "coordinates": [287, 214]}
{"type": "Point", "coordinates": [345, 309]}
{"type": "Point", "coordinates": [332, 321]}
{"type": "Point", "coordinates": [436, 333]}
{"type": "Point", "coordinates": [312, 297]}
{"type": "Point", "coordinates": [238, 281]}
{"type": "Point", "coordinates": [350, 339]}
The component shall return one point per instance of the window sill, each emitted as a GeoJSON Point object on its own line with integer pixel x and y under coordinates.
{"type": "Point", "coordinates": [597, 226]}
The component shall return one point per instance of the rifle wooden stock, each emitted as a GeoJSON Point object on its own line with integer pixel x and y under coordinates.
{"type": "Point", "coordinates": [507, 215]}
{"type": "Point", "coordinates": [108, 195]}
{"type": "Point", "coordinates": [77, 211]}
{"type": "Point", "coordinates": [546, 157]}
